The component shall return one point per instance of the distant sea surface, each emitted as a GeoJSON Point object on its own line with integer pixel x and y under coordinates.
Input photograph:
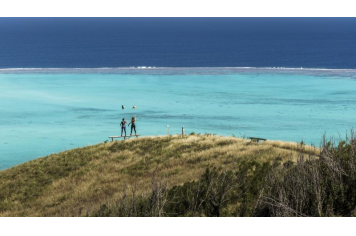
{"type": "Point", "coordinates": [177, 42]}
{"type": "Point", "coordinates": [68, 79]}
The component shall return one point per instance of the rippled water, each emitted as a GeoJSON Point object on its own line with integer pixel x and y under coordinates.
{"type": "Point", "coordinates": [43, 112]}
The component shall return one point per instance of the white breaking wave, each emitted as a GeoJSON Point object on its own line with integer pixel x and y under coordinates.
{"type": "Point", "coordinates": [183, 68]}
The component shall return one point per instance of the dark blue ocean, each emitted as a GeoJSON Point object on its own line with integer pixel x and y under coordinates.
{"type": "Point", "coordinates": [177, 42]}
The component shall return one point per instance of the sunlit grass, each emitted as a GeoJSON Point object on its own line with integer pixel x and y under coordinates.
{"type": "Point", "coordinates": [80, 180]}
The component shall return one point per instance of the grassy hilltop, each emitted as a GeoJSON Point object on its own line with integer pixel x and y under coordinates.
{"type": "Point", "coordinates": [194, 175]}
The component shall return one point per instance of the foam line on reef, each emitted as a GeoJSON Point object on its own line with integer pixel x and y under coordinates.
{"type": "Point", "coordinates": [181, 70]}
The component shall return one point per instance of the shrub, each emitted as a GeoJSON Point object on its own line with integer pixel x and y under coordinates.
{"type": "Point", "coordinates": [324, 186]}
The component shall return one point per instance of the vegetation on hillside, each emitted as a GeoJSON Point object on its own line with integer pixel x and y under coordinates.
{"type": "Point", "coordinates": [195, 175]}
{"type": "Point", "coordinates": [322, 186]}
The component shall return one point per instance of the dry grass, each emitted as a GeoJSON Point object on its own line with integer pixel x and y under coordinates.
{"type": "Point", "coordinates": [78, 181]}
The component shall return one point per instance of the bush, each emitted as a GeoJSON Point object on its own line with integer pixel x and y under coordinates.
{"type": "Point", "coordinates": [324, 186]}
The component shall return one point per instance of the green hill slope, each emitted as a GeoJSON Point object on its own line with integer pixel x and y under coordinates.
{"type": "Point", "coordinates": [81, 181]}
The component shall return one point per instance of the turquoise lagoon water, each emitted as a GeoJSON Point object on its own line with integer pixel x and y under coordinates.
{"type": "Point", "coordinates": [44, 113]}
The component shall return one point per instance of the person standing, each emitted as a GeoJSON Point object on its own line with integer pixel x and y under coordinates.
{"type": "Point", "coordinates": [123, 126]}
{"type": "Point", "coordinates": [133, 125]}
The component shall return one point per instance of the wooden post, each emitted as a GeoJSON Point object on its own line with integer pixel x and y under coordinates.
{"type": "Point", "coordinates": [183, 131]}
{"type": "Point", "coordinates": [112, 139]}
{"type": "Point", "coordinates": [167, 130]}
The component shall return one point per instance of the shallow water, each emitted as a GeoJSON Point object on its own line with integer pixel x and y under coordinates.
{"type": "Point", "coordinates": [42, 114]}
